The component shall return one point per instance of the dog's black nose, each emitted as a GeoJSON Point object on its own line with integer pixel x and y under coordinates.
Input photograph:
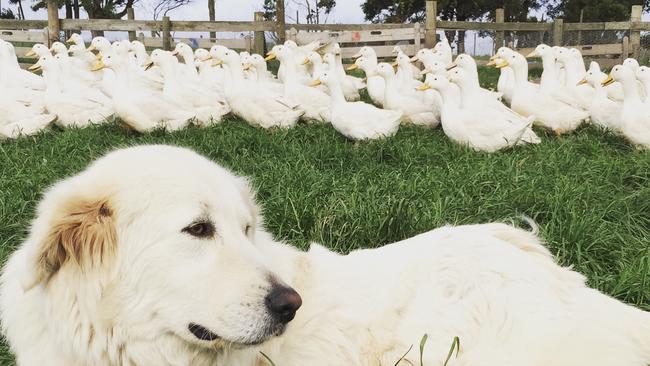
{"type": "Point", "coordinates": [283, 302]}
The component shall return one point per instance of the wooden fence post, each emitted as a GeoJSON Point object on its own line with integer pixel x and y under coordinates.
{"type": "Point", "coordinates": [430, 23]}
{"type": "Point", "coordinates": [141, 37]}
{"type": "Point", "coordinates": [46, 35]}
{"type": "Point", "coordinates": [499, 36]}
{"type": "Point", "coordinates": [166, 34]}
{"type": "Point", "coordinates": [558, 28]}
{"type": "Point", "coordinates": [53, 25]}
{"type": "Point", "coordinates": [212, 18]}
{"type": "Point", "coordinates": [293, 34]}
{"type": "Point", "coordinates": [130, 15]}
{"type": "Point", "coordinates": [417, 40]}
{"type": "Point", "coordinates": [626, 49]}
{"type": "Point", "coordinates": [260, 41]}
{"type": "Point", "coordinates": [582, 14]}
{"type": "Point", "coordinates": [635, 36]}
{"type": "Point", "coordinates": [281, 27]}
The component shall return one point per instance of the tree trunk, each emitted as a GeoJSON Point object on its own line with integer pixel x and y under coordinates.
{"type": "Point", "coordinates": [451, 36]}
{"type": "Point", "coordinates": [95, 13]}
{"type": "Point", "coordinates": [461, 42]}
{"type": "Point", "coordinates": [21, 12]}
{"type": "Point", "coordinates": [75, 8]}
{"type": "Point", "coordinates": [211, 14]}
{"type": "Point", "coordinates": [68, 9]}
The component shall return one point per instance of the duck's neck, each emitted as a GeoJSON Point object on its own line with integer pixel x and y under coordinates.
{"type": "Point", "coordinates": [521, 74]}
{"type": "Point", "coordinates": [336, 93]}
{"type": "Point", "coordinates": [630, 91]}
{"type": "Point", "coordinates": [188, 59]}
{"type": "Point", "coordinates": [573, 73]}
{"type": "Point", "coordinates": [52, 80]}
{"type": "Point", "coordinates": [469, 91]}
{"type": "Point", "coordinates": [449, 97]}
{"type": "Point", "coordinates": [370, 69]}
{"type": "Point", "coordinates": [549, 75]}
{"type": "Point", "coordinates": [390, 85]}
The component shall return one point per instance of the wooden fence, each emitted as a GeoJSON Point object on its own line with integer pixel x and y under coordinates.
{"type": "Point", "coordinates": [352, 36]}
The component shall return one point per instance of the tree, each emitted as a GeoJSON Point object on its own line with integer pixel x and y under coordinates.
{"type": "Point", "coordinates": [401, 11]}
{"type": "Point", "coordinates": [594, 10]}
{"type": "Point", "coordinates": [7, 14]}
{"type": "Point", "coordinates": [163, 7]}
{"type": "Point", "coordinates": [314, 11]}
{"type": "Point", "coordinates": [96, 9]}
{"type": "Point", "coordinates": [212, 16]}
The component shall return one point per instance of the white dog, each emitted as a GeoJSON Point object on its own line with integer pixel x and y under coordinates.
{"type": "Point", "coordinates": [156, 256]}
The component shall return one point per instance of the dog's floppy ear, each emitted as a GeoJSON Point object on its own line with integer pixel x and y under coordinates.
{"type": "Point", "coordinates": [79, 231]}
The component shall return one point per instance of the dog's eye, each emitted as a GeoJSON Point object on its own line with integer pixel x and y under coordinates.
{"type": "Point", "coordinates": [248, 229]}
{"type": "Point", "coordinates": [200, 229]}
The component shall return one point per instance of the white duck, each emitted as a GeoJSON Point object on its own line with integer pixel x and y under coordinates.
{"type": "Point", "coordinates": [442, 51]}
{"type": "Point", "coordinates": [414, 71]}
{"type": "Point", "coordinates": [11, 75]}
{"type": "Point", "coordinates": [404, 74]}
{"type": "Point", "coordinates": [207, 72]}
{"type": "Point", "coordinates": [140, 52]}
{"type": "Point", "coordinates": [314, 102]}
{"type": "Point", "coordinates": [614, 90]}
{"type": "Point", "coordinates": [550, 81]}
{"type": "Point", "coordinates": [413, 108]}
{"type": "Point", "coordinates": [256, 105]}
{"type": "Point", "coordinates": [486, 131]}
{"type": "Point", "coordinates": [473, 99]}
{"type": "Point", "coordinates": [208, 105]}
{"type": "Point", "coordinates": [100, 44]}
{"type": "Point", "coordinates": [357, 120]}
{"type": "Point", "coordinates": [188, 66]}
{"type": "Point", "coordinates": [375, 84]}
{"type": "Point", "coordinates": [261, 69]}
{"type": "Point", "coordinates": [350, 90]}
{"type": "Point", "coordinates": [632, 63]}
{"type": "Point", "coordinates": [338, 65]}
{"type": "Point", "coordinates": [300, 52]}
{"type": "Point", "coordinates": [634, 117]}
{"type": "Point", "coordinates": [506, 81]}
{"type": "Point", "coordinates": [468, 65]}
{"type": "Point", "coordinates": [17, 118]}
{"type": "Point", "coordinates": [574, 71]}
{"type": "Point", "coordinates": [643, 75]}
{"type": "Point", "coordinates": [74, 71]}
{"type": "Point", "coordinates": [78, 108]}
{"type": "Point", "coordinates": [314, 61]}
{"type": "Point", "coordinates": [529, 101]}
{"type": "Point", "coordinates": [39, 50]}
{"type": "Point", "coordinates": [604, 112]}
{"type": "Point", "coordinates": [138, 107]}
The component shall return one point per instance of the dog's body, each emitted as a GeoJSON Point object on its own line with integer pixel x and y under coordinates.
{"type": "Point", "coordinates": [150, 254]}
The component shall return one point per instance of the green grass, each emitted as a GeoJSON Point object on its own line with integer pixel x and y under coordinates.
{"type": "Point", "coordinates": [589, 191]}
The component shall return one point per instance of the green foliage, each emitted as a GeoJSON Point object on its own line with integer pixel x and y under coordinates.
{"type": "Point", "coordinates": [312, 10]}
{"type": "Point", "coordinates": [594, 10]}
{"type": "Point", "coordinates": [398, 11]}
{"type": "Point", "coordinates": [96, 9]}
{"type": "Point", "coordinates": [7, 14]}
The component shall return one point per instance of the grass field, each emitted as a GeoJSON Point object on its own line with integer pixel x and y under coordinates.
{"type": "Point", "coordinates": [589, 191]}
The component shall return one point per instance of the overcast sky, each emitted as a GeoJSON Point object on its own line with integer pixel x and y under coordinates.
{"type": "Point", "coordinates": [346, 11]}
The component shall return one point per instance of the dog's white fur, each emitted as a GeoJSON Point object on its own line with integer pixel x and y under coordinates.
{"type": "Point", "coordinates": [107, 277]}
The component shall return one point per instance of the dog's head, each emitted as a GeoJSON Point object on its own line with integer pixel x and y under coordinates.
{"type": "Point", "coordinates": [167, 241]}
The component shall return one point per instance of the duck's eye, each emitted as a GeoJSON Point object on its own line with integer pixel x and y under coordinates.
{"type": "Point", "coordinates": [202, 229]}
